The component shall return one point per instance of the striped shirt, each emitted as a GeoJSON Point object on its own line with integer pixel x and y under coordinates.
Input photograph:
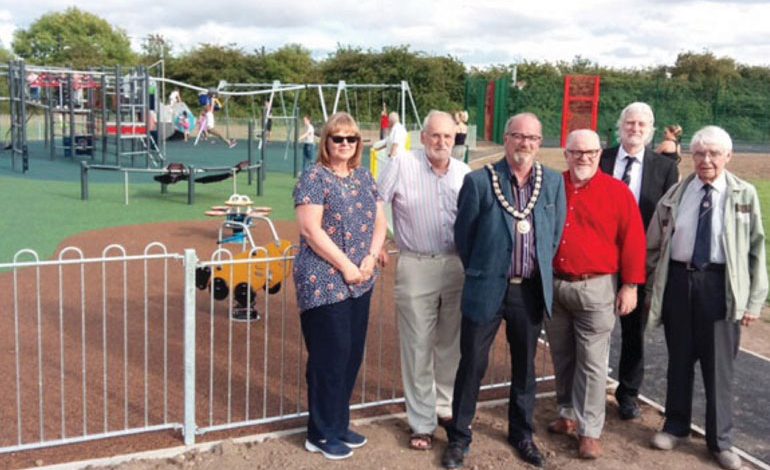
{"type": "Point", "coordinates": [424, 203]}
{"type": "Point", "coordinates": [524, 256]}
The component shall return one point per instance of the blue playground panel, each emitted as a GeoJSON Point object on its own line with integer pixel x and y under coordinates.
{"type": "Point", "coordinates": [205, 155]}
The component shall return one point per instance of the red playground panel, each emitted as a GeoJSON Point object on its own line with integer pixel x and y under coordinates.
{"type": "Point", "coordinates": [127, 129]}
{"type": "Point", "coordinates": [581, 104]}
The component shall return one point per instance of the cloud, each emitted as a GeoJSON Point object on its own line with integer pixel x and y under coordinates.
{"type": "Point", "coordinates": [617, 33]}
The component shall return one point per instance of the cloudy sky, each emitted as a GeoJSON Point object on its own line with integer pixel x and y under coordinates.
{"type": "Point", "coordinates": [620, 33]}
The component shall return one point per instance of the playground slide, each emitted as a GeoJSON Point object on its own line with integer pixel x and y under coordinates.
{"type": "Point", "coordinates": [171, 118]}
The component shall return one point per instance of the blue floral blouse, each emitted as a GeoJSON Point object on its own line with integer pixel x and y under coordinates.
{"type": "Point", "coordinates": [349, 211]}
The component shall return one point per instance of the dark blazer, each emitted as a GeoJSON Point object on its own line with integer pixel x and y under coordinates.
{"type": "Point", "coordinates": [658, 174]}
{"type": "Point", "coordinates": [484, 238]}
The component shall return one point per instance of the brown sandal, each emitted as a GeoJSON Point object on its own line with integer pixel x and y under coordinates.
{"type": "Point", "coordinates": [419, 441]}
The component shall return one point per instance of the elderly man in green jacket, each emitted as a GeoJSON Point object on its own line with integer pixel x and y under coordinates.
{"type": "Point", "coordinates": [707, 276]}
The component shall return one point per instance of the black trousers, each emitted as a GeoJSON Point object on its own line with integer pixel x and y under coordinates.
{"type": "Point", "coordinates": [631, 367]}
{"type": "Point", "coordinates": [522, 311]}
{"type": "Point", "coordinates": [694, 312]}
{"type": "Point", "coordinates": [335, 337]}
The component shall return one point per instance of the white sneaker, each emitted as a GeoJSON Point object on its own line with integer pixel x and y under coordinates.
{"type": "Point", "coordinates": [331, 449]}
{"type": "Point", "coordinates": [664, 441]}
{"type": "Point", "coordinates": [728, 459]}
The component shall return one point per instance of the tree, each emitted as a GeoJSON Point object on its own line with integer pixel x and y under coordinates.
{"type": "Point", "coordinates": [5, 54]}
{"type": "Point", "coordinates": [207, 64]}
{"type": "Point", "coordinates": [291, 63]}
{"type": "Point", "coordinates": [156, 47]}
{"type": "Point", "coordinates": [73, 38]}
{"type": "Point", "coordinates": [700, 68]}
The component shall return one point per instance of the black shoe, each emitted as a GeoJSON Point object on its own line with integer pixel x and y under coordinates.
{"type": "Point", "coordinates": [628, 408]}
{"type": "Point", "coordinates": [529, 452]}
{"type": "Point", "coordinates": [453, 456]}
{"type": "Point", "coordinates": [243, 314]}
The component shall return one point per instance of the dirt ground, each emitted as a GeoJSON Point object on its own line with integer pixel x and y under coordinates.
{"type": "Point", "coordinates": [625, 444]}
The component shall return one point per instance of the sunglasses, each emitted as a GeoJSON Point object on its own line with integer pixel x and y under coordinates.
{"type": "Point", "coordinates": [351, 139]}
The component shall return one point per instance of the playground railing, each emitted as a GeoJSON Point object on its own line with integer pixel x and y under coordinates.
{"type": "Point", "coordinates": [118, 344]}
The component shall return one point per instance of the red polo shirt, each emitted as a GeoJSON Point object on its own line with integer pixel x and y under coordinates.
{"type": "Point", "coordinates": [603, 233]}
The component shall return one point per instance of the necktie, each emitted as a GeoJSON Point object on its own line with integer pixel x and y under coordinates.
{"type": "Point", "coordinates": [627, 170]}
{"type": "Point", "coordinates": [701, 254]}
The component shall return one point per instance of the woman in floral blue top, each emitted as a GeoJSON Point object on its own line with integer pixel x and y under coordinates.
{"type": "Point", "coordinates": [342, 230]}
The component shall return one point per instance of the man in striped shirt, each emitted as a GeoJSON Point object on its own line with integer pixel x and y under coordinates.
{"type": "Point", "coordinates": [422, 187]}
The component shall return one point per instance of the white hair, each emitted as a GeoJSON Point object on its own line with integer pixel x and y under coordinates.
{"type": "Point", "coordinates": [393, 117]}
{"type": "Point", "coordinates": [581, 132]}
{"type": "Point", "coordinates": [645, 110]}
{"type": "Point", "coordinates": [434, 113]}
{"type": "Point", "coordinates": [712, 135]}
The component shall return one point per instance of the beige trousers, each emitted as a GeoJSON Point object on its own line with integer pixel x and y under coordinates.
{"type": "Point", "coordinates": [579, 336]}
{"type": "Point", "coordinates": [428, 291]}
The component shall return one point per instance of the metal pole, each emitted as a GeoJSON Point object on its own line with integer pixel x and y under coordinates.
{"type": "Point", "coordinates": [296, 140]}
{"type": "Point", "coordinates": [190, 262]}
{"type": "Point", "coordinates": [118, 111]}
{"type": "Point", "coordinates": [105, 116]}
{"type": "Point", "coordinates": [263, 151]}
{"type": "Point", "coordinates": [340, 87]}
{"type": "Point", "coordinates": [260, 178]}
{"type": "Point", "coordinates": [125, 187]}
{"type": "Point", "coordinates": [414, 106]}
{"type": "Point", "coordinates": [250, 148]}
{"type": "Point", "coordinates": [227, 116]}
{"type": "Point", "coordinates": [23, 105]}
{"type": "Point", "coordinates": [323, 103]}
{"type": "Point", "coordinates": [14, 109]}
{"type": "Point", "coordinates": [162, 96]}
{"type": "Point", "coordinates": [403, 102]}
{"type": "Point", "coordinates": [145, 93]}
{"type": "Point", "coordinates": [191, 186]}
{"type": "Point", "coordinates": [71, 92]}
{"type": "Point", "coordinates": [84, 180]}
{"type": "Point", "coordinates": [51, 105]}
{"type": "Point", "coordinates": [12, 102]}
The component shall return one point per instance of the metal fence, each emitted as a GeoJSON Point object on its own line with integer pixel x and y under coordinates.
{"type": "Point", "coordinates": [117, 344]}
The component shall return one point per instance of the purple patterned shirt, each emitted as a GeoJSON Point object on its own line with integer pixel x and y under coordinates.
{"type": "Point", "coordinates": [524, 256]}
{"type": "Point", "coordinates": [349, 212]}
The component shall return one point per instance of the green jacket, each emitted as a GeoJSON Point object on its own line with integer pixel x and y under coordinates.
{"type": "Point", "coordinates": [743, 239]}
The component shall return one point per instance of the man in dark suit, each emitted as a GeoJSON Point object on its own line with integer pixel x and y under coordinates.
{"type": "Point", "coordinates": [509, 222]}
{"type": "Point", "coordinates": [649, 176]}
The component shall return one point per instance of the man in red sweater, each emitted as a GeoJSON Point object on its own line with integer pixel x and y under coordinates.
{"type": "Point", "coordinates": [603, 246]}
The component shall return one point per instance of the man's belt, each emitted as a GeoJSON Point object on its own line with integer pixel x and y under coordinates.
{"type": "Point", "coordinates": [718, 267]}
{"type": "Point", "coordinates": [415, 254]}
{"type": "Point", "coordinates": [577, 277]}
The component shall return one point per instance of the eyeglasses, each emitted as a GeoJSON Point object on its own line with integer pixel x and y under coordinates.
{"type": "Point", "coordinates": [593, 153]}
{"type": "Point", "coordinates": [351, 139]}
{"type": "Point", "coordinates": [712, 154]}
{"type": "Point", "coordinates": [532, 138]}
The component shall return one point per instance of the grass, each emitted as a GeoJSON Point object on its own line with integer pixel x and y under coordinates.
{"type": "Point", "coordinates": [40, 214]}
{"type": "Point", "coordinates": [763, 190]}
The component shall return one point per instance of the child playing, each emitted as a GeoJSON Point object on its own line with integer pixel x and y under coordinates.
{"type": "Point", "coordinates": [184, 123]}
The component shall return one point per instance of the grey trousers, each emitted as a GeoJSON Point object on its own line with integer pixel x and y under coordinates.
{"type": "Point", "coordinates": [428, 291]}
{"type": "Point", "coordinates": [579, 336]}
{"type": "Point", "coordinates": [694, 311]}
